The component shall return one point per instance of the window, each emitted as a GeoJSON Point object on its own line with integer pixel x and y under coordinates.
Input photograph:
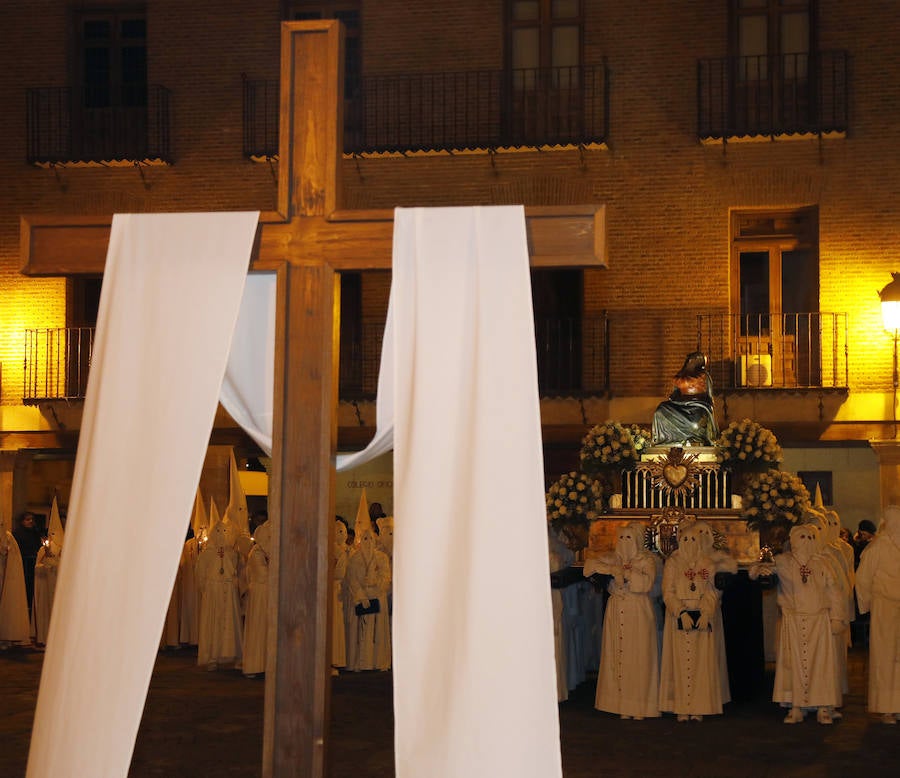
{"type": "Point", "coordinates": [821, 478]}
{"type": "Point", "coordinates": [544, 61]}
{"type": "Point", "coordinates": [112, 58]}
{"type": "Point", "coordinates": [544, 34]}
{"type": "Point", "coordinates": [775, 292]}
{"type": "Point", "coordinates": [556, 297]}
{"type": "Point", "coordinates": [772, 42]}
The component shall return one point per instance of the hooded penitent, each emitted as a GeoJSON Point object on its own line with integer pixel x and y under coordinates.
{"type": "Point", "coordinates": [199, 517]}
{"type": "Point", "coordinates": [14, 626]}
{"type": "Point", "coordinates": [236, 510]}
{"type": "Point", "coordinates": [386, 535]}
{"type": "Point", "coordinates": [629, 541]}
{"type": "Point", "coordinates": [878, 592]}
{"type": "Point", "coordinates": [55, 533]}
{"type": "Point", "coordinates": [363, 521]}
{"type": "Point", "coordinates": [805, 542]}
{"type": "Point", "coordinates": [891, 523]}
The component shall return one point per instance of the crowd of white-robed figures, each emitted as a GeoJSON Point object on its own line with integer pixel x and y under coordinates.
{"type": "Point", "coordinates": [17, 626]}
{"type": "Point", "coordinates": [661, 639]}
{"type": "Point", "coordinates": [220, 599]}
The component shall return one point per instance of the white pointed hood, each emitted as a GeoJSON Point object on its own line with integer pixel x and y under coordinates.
{"type": "Point", "coordinates": [806, 542]}
{"type": "Point", "coordinates": [629, 541]}
{"type": "Point", "coordinates": [199, 516]}
{"type": "Point", "coordinates": [363, 522]}
{"type": "Point", "coordinates": [55, 533]}
{"type": "Point", "coordinates": [236, 511]}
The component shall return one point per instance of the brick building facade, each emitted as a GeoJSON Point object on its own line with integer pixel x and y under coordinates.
{"type": "Point", "coordinates": [745, 152]}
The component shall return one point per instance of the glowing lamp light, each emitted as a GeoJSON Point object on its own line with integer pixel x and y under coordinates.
{"type": "Point", "coordinates": [890, 304]}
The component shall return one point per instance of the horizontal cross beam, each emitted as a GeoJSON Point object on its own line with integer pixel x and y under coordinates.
{"type": "Point", "coordinates": [558, 236]}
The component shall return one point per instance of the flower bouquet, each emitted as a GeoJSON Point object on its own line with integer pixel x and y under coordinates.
{"type": "Point", "coordinates": [773, 502]}
{"type": "Point", "coordinates": [748, 446]}
{"type": "Point", "coordinates": [612, 446]}
{"type": "Point", "coordinates": [572, 503]}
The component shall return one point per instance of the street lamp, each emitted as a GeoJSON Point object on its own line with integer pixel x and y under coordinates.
{"type": "Point", "coordinates": [890, 313]}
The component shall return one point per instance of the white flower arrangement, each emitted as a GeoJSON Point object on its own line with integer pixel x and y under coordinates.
{"type": "Point", "coordinates": [575, 498]}
{"type": "Point", "coordinates": [774, 497]}
{"type": "Point", "coordinates": [746, 445]}
{"type": "Point", "coordinates": [612, 446]}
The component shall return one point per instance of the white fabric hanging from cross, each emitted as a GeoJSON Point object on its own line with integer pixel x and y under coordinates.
{"type": "Point", "coordinates": [473, 645]}
{"type": "Point", "coordinates": [171, 291]}
{"type": "Point", "coordinates": [474, 670]}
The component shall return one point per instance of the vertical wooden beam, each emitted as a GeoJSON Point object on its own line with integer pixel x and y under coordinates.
{"type": "Point", "coordinates": [312, 130]}
{"type": "Point", "coordinates": [298, 673]}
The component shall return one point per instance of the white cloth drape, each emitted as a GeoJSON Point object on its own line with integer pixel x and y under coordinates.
{"type": "Point", "coordinates": [248, 389]}
{"type": "Point", "coordinates": [474, 668]}
{"type": "Point", "coordinates": [170, 298]}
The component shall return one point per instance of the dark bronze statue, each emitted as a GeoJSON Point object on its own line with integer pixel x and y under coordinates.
{"type": "Point", "coordinates": [687, 418]}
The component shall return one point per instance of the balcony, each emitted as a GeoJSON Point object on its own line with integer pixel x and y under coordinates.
{"type": "Point", "coordinates": [769, 96]}
{"type": "Point", "coordinates": [572, 357]}
{"type": "Point", "coordinates": [124, 125]}
{"type": "Point", "coordinates": [56, 365]}
{"type": "Point", "coordinates": [466, 110]}
{"type": "Point", "coordinates": [775, 351]}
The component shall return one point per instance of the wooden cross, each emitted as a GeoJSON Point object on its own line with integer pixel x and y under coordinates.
{"type": "Point", "coordinates": [306, 241]}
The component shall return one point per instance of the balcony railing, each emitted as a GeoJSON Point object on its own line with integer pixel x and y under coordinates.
{"type": "Point", "coordinates": [57, 362]}
{"type": "Point", "coordinates": [772, 95]}
{"type": "Point", "coordinates": [775, 351]}
{"type": "Point", "coordinates": [98, 124]}
{"type": "Point", "coordinates": [479, 109]}
{"type": "Point", "coordinates": [572, 357]}
{"type": "Point", "coordinates": [261, 103]}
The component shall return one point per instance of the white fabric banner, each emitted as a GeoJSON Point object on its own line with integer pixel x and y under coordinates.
{"type": "Point", "coordinates": [474, 667]}
{"type": "Point", "coordinates": [171, 291]}
{"type": "Point", "coordinates": [248, 390]}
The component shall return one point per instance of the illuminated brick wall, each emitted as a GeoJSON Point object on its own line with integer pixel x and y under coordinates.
{"type": "Point", "coordinates": [667, 196]}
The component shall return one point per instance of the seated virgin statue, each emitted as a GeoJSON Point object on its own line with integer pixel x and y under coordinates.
{"type": "Point", "coordinates": [687, 418]}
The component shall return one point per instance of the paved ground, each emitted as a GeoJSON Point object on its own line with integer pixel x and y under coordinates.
{"type": "Point", "coordinates": [200, 724]}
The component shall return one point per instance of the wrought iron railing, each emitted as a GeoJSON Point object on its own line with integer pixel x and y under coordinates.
{"type": "Point", "coordinates": [572, 356]}
{"type": "Point", "coordinates": [772, 95]}
{"type": "Point", "coordinates": [128, 123]}
{"type": "Point", "coordinates": [771, 351]}
{"type": "Point", "coordinates": [479, 109]}
{"type": "Point", "coordinates": [261, 108]}
{"type": "Point", "coordinates": [57, 362]}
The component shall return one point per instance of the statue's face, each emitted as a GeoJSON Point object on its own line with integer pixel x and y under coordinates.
{"type": "Point", "coordinates": [340, 533]}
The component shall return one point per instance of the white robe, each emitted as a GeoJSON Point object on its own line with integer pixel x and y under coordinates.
{"type": "Point", "coordinates": [189, 628]}
{"type": "Point", "coordinates": [878, 591]}
{"type": "Point", "coordinates": [690, 674]}
{"type": "Point", "coordinates": [172, 624]}
{"type": "Point", "coordinates": [368, 578]}
{"type": "Point", "coordinates": [628, 682]}
{"type": "Point", "coordinates": [339, 559]}
{"type": "Point", "coordinates": [256, 622]}
{"type": "Point", "coordinates": [14, 624]}
{"type": "Point", "coordinates": [45, 571]}
{"type": "Point", "coordinates": [220, 638]}
{"type": "Point", "coordinates": [805, 664]}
